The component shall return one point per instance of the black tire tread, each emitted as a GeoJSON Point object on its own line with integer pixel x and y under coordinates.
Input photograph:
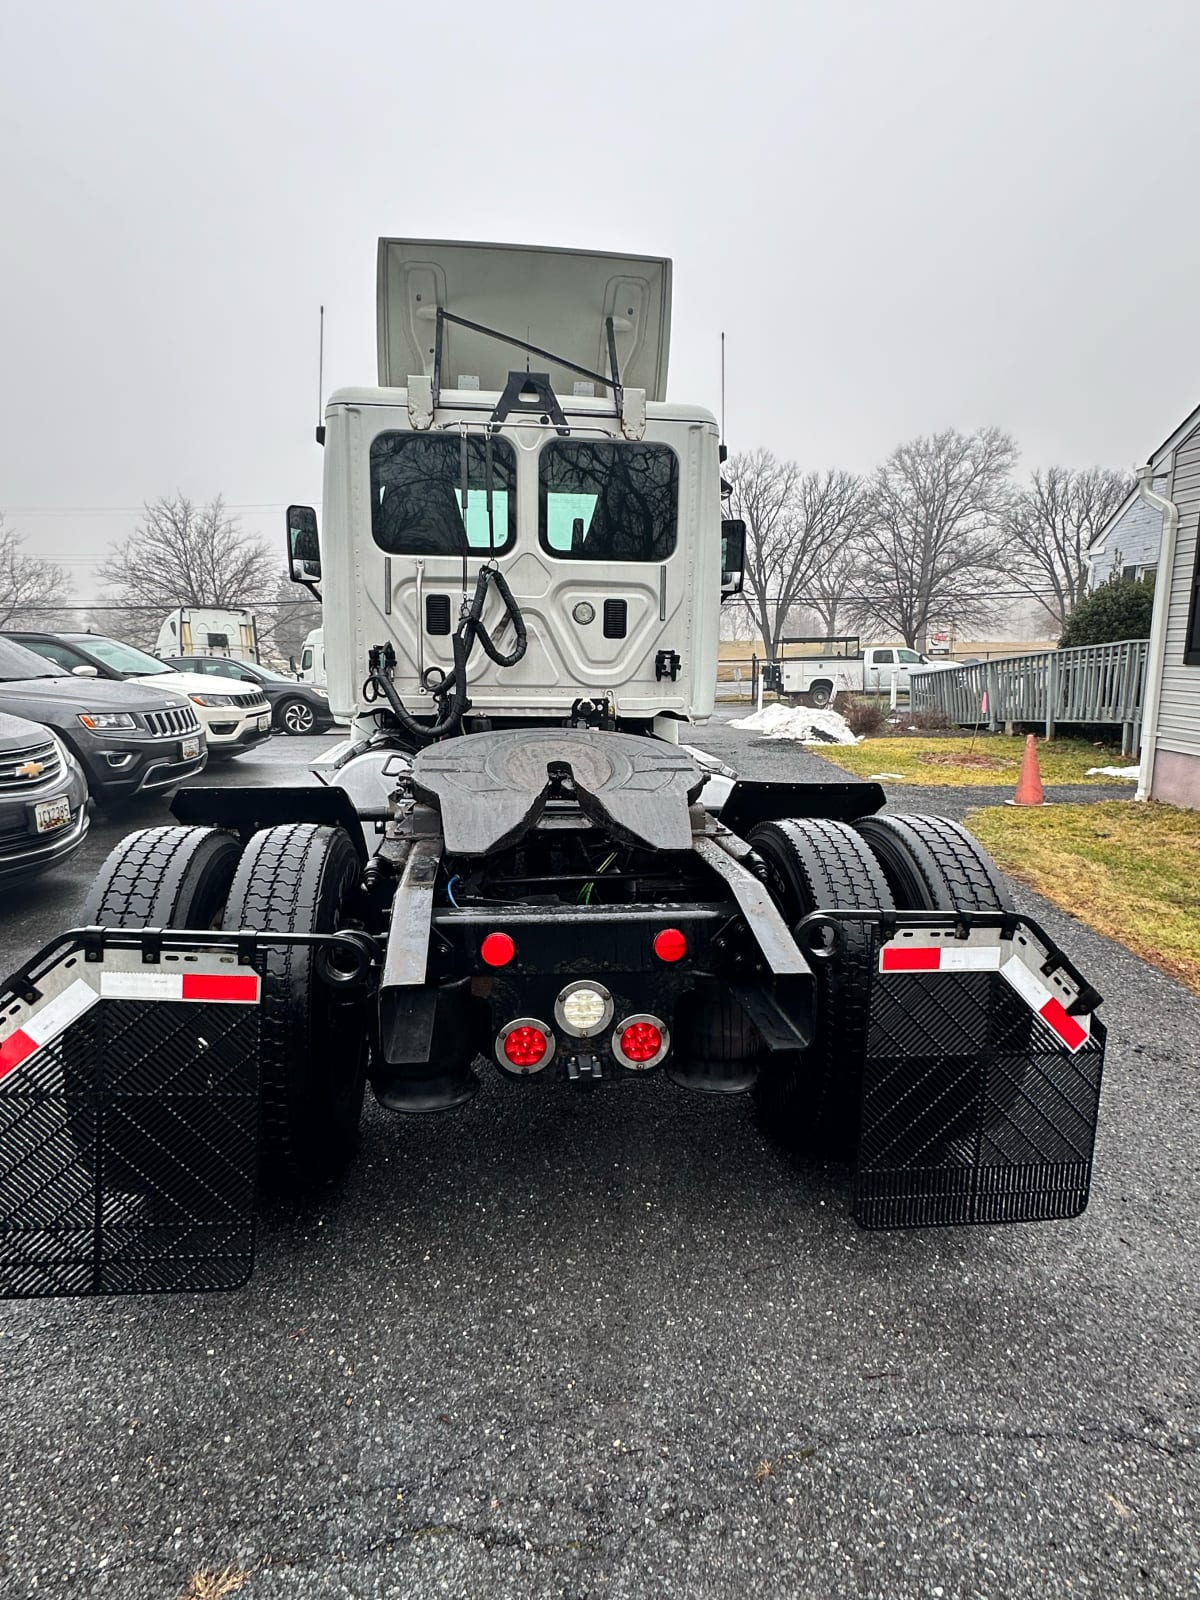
{"type": "Point", "coordinates": [811, 1100]}
{"type": "Point", "coordinates": [934, 863]}
{"type": "Point", "coordinates": [144, 880]}
{"type": "Point", "coordinates": [282, 886]}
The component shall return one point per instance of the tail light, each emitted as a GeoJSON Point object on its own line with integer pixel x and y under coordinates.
{"type": "Point", "coordinates": [640, 1042]}
{"type": "Point", "coordinates": [497, 949]}
{"type": "Point", "coordinates": [524, 1045]}
{"type": "Point", "coordinates": [670, 945]}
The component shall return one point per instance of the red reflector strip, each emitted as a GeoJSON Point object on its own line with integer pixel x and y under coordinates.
{"type": "Point", "coordinates": [46, 1023]}
{"type": "Point", "coordinates": [16, 1048]}
{"type": "Point", "coordinates": [240, 986]}
{"type": "Point", "coordinates": [905, 957]}
{"type": "Point", "coordinates": [910, 958]}
{"type": "Point", "coordinates": [149, 984]}
{"type": "Point", "coordinates": [1063, 1023]}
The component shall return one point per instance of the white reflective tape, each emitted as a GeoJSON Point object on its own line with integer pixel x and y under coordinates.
{"type": "Point", "coordinates": [141, 986]}
{"type": "Point", "coordinates": [59, 1013]}
{"type": "Point", "coordinates": [968, 958]}
{"type": "Point", "coordinates": [1027, 984]}
{"type": "Point", "coordinates": [1074, 1031]}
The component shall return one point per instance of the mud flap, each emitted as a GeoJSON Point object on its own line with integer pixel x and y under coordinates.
{"type": "Point", "coordinates": [981, 1079]}
{"type": "Point", "coordinates": [128, 1123]}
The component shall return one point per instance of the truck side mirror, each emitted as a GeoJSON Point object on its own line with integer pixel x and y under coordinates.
{"type": "Point", "coordinates": [304, 550]}
{"type": "Point", "coordinates": [733, 555]}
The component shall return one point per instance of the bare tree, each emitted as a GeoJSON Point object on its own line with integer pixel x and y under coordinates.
{"type": "Point", "coordinates": [290, 617]}
{"type": "Point", "coordinates": [837, 579]}
{"type": "Point", "coordinates": [793, 520]}
{"type": "Point", "coordinates": [1050, 526]}
{"type": "Point", "coordinates": [934, 538]}
{"type": "Point", "coordinates": [183, 555]}
{"type": "Point", "coordinates": [29, 587]}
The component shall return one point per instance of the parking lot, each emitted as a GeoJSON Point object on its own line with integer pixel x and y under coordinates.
{"type": "Point", "coordinates": [615, 1344]}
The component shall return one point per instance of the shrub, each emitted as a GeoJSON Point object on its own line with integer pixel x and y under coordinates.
{"type": "Point", "coordinates": [1118, 609]}
{"type": "Point", "coordinates": [864, 716]}
{"type": "Point", "coordinates": [934, 720]}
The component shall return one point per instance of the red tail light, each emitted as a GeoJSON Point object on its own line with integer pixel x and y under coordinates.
{"type": "Point", "coordinates": [670, 945]}
{"type": "Point", "coordinates": [641, 1041]}
{"type": "Point", "coordinates": [525, 1046]}
{"type": "Point", "coordinates": [497, 949]}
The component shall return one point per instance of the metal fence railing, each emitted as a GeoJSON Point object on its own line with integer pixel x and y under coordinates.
{"type": "Point", "coordinates": [1095, 683]}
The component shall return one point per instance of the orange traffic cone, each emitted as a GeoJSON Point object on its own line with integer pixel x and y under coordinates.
{"type": "Point", "coordinates": [1029, 784]}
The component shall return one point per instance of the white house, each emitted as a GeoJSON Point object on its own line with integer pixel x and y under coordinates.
{"type": "Point", "coordinates": [1127, 545]}
{"type": "Point", "coordinates": [1169, 493]}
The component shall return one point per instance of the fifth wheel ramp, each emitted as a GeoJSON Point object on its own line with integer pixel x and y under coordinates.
{"type": "Point", "coordinates": [491, 788]}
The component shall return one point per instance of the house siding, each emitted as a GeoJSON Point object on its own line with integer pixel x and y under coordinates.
{"type": "Point", "coordinates": [1133, 540]}
{"type": "Point", "coordinates": [1177, 748]}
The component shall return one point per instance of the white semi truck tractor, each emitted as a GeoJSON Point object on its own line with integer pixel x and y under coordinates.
{"type": "Point", "coordinates": [521, 860]}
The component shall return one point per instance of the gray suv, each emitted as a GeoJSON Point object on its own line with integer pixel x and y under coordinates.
{"type": "Point", "coordinates": [128, 738]}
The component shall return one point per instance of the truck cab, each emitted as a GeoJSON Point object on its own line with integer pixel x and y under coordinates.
{"type": "Point", "coordinates": [598, 501]}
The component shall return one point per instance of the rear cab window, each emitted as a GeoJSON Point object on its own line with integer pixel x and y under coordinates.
{"type": "Point", "coordinates": [608, 500]}
{"type": "Point", "coordinates": [416, 494]}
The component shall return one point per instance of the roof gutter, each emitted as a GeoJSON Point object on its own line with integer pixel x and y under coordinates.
{"type": "Point", "coordinates": [1156, 652]}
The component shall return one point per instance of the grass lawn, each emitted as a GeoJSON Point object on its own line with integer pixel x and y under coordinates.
{"type": "Point", "coordinates": [1130, 871]}
{"type": "Point", "coordinates": [990, 758]}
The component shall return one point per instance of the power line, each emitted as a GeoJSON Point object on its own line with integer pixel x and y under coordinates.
{"type": "Point", "coordinates": [105, 511]}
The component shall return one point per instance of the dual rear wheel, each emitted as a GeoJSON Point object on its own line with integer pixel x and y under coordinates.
{"type": "Point", "coordinates": [809, 1100]}
{"type": "Point", "coordinates": [295, 878]}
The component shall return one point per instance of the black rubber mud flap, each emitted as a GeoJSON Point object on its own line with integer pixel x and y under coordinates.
{"type": "Point", "coordinates": [112, 1061]}
{"type": "Point", "coordinates": [981, 1083]}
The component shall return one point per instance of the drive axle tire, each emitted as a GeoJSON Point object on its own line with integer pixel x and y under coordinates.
{"type": "Point", "coordinates": [165, 878]}
{"type": "Point", "coordinates": [820, 695]}
{"type": "Point", "coordinates": [933, 864]}
{"type": "Point", "coordinates": [301, 878]}
{"type": "Point", "coordinates": [809, 1101]}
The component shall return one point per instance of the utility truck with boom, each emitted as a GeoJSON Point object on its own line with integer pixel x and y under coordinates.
{"type": "Point", "coordinates": [521, 860]}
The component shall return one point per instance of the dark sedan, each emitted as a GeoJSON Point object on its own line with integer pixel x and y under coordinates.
{"type": "Point", "coordinates": [295, 707]}
{"type": "Point", "coordinates": [129, 739]}
{"type": "Point", "coordinates": [43, 800]}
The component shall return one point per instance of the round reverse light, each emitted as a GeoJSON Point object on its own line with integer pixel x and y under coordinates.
{"type": "Point", "coordinates": [670, 945]}
{"type": "Point", "coordinates": [583, 1008]}
{"type": "Point", "coordinates": [497, 949]}
{"type": "Point", "coordinates": [584, 612]}
{"type": "Point", "coordinates": [525, 1045]}
{"type": "Point", "coordinates": [640, 1042]}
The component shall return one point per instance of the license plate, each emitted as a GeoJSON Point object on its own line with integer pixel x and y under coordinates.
{"type": "Point", "coordinates": [51, 814]}
{"type": "Point", "coordinates": [189, 749]}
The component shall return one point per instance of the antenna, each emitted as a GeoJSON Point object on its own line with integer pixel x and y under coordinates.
{"type": "Point", "coordinates": [321, 377]}
{"type": "Point", "coordinates": [722, 386]}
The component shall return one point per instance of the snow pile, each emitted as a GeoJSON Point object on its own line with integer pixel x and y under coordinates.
{"type": "Point", "coordinates": [802, 723]}
{"type": "Point", "coordinates": [1131, 773]}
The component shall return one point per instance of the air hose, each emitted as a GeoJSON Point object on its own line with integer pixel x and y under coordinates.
{"type": "Point", "coordinates": [451, 693]}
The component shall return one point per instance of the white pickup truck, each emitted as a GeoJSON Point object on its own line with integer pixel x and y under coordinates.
{"type": "Point", "coordinates": [818, 669]}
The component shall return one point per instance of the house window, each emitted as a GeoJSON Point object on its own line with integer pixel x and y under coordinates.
{"type": "Point", "coordinates": [1191, 639]}
{"type": "Point", "coordinates": [1129, 572]}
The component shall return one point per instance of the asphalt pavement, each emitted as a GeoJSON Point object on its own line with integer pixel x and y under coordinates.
{"type": "Point", "coordinates": [615, 1344]}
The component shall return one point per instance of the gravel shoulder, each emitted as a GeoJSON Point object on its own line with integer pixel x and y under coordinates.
{"type": "Point", "coordinates": [616, 1345]}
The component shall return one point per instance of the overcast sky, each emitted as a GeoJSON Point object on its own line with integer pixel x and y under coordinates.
{"type": "Point", "coordinates": [905, 216]}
